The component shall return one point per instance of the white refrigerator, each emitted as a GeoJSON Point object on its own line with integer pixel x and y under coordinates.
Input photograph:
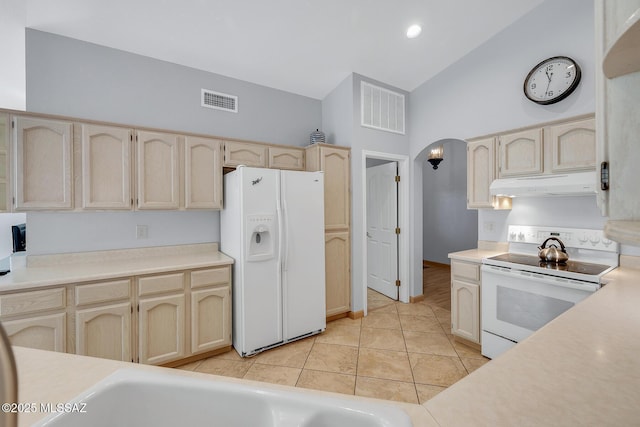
{"type": "Point", "coordinates": [272, 224]}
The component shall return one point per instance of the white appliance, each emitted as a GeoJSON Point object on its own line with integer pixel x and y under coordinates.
{"type": "Point", "coordinates": [272, 224]}
{"type": "Point", "coordinates": [579, 183]}
{"type": "Point", "coordinates": [521, 293]}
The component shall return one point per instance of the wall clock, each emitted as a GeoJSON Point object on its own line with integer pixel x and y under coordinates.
{"type": "Point", "coordinates": [552, 80]}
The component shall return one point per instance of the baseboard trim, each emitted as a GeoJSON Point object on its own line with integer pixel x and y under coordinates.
{"type": "Point", "coordinates": [337, 316]}
{"type": "Point", "coordinates": [417, 298]}
{"type": "Point", "coordinates": [355, 315]}
{"type": "Point", "coordinates": [197, 357]}
{"type": "Point", "coordinates": [426, 264]}
{"type": "Point", "coordinates": [468, 343]}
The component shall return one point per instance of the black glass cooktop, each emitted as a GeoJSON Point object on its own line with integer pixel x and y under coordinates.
{"type": "Point", "coordinates": [570, 266]}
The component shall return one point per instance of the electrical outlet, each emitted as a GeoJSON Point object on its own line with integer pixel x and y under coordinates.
{"type": "Point", "coordinates": [489, 225]}
{"type": "Point", "coordinates": [142, 232]}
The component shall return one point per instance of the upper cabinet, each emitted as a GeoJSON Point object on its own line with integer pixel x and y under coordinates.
{"type": "Point", "coordinates": [286, 158]}
{"type": "Point", "coordinates": [106, 167]}
{"type": "Point", "coordinates": [5, 203]}
{"type": "Point", "coordinates": [617, 111]}
{"type": "Point", "coordinates": [238, 153]}
{"type": "Point", "coordinates": [573, 145]}
{"type": "Point", "coordinates": [158, 170]}
{"type": "Point", "coordinates": [520, 153]}
{"type": "Point", "coordinates": [202, 173]}
{"type": "Point", "coordinates": [480, 172]}
{"type": "Point", "coordinates": [43, 150]}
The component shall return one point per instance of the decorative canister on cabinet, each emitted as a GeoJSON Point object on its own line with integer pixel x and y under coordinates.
{"type": "Point", "coordinates": [317, 137]}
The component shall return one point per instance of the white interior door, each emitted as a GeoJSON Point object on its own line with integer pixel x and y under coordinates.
{"type": "Point", "coordinates": [382, 220]}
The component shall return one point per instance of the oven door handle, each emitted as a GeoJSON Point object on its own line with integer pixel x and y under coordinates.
{"type": "Point", "coordinates": [555, 281]}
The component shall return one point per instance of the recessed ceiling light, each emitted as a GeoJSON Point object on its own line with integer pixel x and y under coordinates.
{"type": "Point", "coordinates": [414, 31]}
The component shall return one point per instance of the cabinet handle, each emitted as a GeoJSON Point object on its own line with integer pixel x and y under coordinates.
{"type": "Point", "coordinates": [604, 176]}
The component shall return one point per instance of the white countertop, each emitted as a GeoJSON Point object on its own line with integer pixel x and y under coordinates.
{"type": "Point", "coordinates": [74, 268]}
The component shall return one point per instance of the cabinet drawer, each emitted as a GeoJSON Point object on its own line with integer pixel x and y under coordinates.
{"type": "Point", "coordinates": [213, 276]}
{"type": "Point", "coordinates": [32, 302]}
{"type": "Point", "coordinates": [465, 270]}
{"type": "Point", "coordinates": [160, 284]}
{"type": "Point", "coordinates": [103, 292]}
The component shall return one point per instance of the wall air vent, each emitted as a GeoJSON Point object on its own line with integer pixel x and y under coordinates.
{"type": "Point", "coordinates": [381, 108]}
{"type": "Point", "coordinates": [219, 101]}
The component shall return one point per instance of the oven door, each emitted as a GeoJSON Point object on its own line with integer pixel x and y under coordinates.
{"type": "Point", "coordinates": [516, 303]}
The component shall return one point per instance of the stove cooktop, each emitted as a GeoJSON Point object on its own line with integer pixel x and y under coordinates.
{"type": "Point", "coordinates": [570, 266]}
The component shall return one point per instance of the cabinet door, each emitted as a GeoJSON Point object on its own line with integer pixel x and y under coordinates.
{"type": "Point", "coordinates": [573, 146]}
{"type": "Point", "coordinates": [286, 158]}
{"type": "Point", "coordinates": [465, 310]}
{"type": "Point", "coordinates": [480, 173]}
{"type": "Point", "coordinates": [105, 332]}
{"type": "Point", "coordinates": [158, 170]}
{"type": "Point", "coordinates": [521, 153]}
{"type": "Point", "coordinates": [43, 163]}
{"type": "Point", "coordinates": [337, 195]}
{"type": "Point", "coordinates": [210, 318]}
{"type": "Point", "coordinates": [245, 153]}
{"type": "Point", "coordinates": [162, 329]}
{"type": "Point", "coordinates": [106, 167]}
{"type": "Point", "coordinates": [44, 332]}
{"type": "Point", "coordinates": [338, 273]}
{"type": "Point", "coordinates": [5, 205]}
{"type": "Point", "coordinates": [203, 173]}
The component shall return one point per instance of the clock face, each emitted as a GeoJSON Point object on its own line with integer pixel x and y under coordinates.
{"type": "Point", "coordinates": [552, 80]}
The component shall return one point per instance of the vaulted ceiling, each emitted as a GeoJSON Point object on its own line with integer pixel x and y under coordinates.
{"type": "Point", "coordinates": [302, 46]}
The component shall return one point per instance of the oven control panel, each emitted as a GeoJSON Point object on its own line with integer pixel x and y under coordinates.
{"type": "Point", "coordinates": [571, 237]}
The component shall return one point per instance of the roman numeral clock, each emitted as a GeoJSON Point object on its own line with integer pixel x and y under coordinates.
{"type": "Point", "coordinates": [552, 80]}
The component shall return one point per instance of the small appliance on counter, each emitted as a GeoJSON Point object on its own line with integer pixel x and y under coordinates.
{"type": "Point", "coordinates": [533, 283]}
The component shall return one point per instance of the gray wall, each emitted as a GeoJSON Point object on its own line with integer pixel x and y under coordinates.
{"type": "Point", "coordinates": [448, 225]}
{"type": "Point", "coordinates": [74, 78]}
{"type": "Point", "coordinates": [482, 92]}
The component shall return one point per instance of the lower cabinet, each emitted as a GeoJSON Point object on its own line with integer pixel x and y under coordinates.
{"type": "Point", "coordinates": [153, 319]}
{"type": "Point", "coordinates": [338, 273]}
{"type": "Point", "coordinates": [105, 332]}
{"type": "Point", "coordinates": [465, 300]}
{"type": "Point", "coordinates": [35, 319]}
{"type": "Point", "coordinates": [44, 332]}
{"type": "Point", "coordinates": [161, 329]}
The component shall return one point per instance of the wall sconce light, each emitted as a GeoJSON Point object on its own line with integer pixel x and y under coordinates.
{"type": "Point", "coordinates": [435, 156]}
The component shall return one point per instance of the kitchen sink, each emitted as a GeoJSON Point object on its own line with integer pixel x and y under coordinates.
{"type": "Point", "coordinates": [131, 397]}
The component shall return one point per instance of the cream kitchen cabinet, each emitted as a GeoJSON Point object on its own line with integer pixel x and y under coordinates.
{"type": "Point", "coordinates": [238, 153]}
{"type": "Point", "coordinates": [5, 193]}
{"type": "Point", "coordinates": [158, 161]}
{"type": "Point", "coordinates": [465, 300]}
{"type": "Point", "coordinates": [106, 166]}
{"type": "Point", "coordinates": [336, 164]}
{"type": "Point", "coordinates": [617, 112]}
{"type": "Point", "coordinates": [162, 318]}
{"type": "Point", "coordinates": [35, 319]}
{"type": "Point", "coordinates": [202, 173]}
{"type": "Point", "coordinates": [43, 169]}
{"type": "Point", "coordinates": [520, 153]}
{"type": "Point", "coordinates": [210, 309]}
{"type": "Point", "coordinates": [286, 158]}
{"type": "Point", "coordinates": [103, 319]}
{"type": "Point", "coordinates": [338, 273]}
{"type": "Point", "coordinates": [573, 145]}
{"type": "Point", "coordinates": [480, 172]}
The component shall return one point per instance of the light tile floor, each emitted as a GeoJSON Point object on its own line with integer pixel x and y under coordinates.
{"type": "Point", "coordinates": [399, 351]}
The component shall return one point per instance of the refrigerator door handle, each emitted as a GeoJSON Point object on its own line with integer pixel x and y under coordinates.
{"type": "Point", "coordinates": [285, 236]}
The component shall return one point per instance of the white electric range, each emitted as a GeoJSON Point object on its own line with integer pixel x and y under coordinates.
{"type": "Point", "coordinates": [521, 293]}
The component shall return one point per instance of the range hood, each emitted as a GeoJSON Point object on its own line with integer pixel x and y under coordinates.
{"type": "Point", "coordinates": [570, 184]}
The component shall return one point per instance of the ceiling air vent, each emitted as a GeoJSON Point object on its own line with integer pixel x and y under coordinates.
{"type": "Point", "coordinates": [382, 109]}
{"type": "Point", "coordinates": [219, 101]}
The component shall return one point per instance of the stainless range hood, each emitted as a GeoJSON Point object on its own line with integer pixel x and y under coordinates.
{"type": "Point", "coordinates": [570, 184]}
